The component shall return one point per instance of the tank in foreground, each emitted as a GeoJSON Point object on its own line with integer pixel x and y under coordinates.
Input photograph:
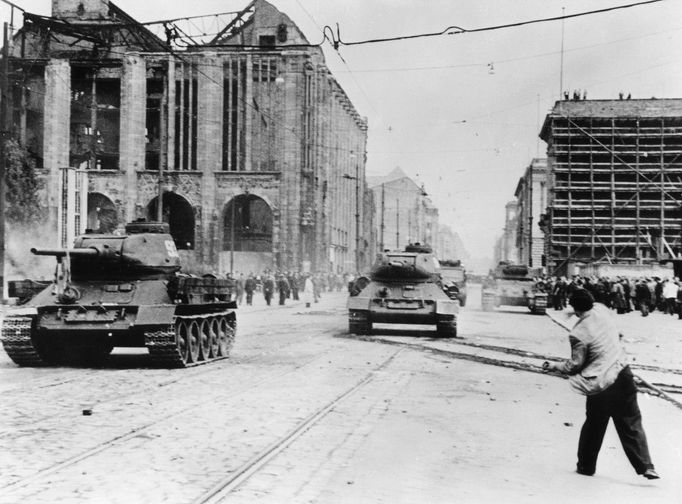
{"type": "Point", "coordinates": [404, 287]}
{"type": "Point", "coordinates": [514, 285]}
{"type": "Point", "coordinates": [122, 291]}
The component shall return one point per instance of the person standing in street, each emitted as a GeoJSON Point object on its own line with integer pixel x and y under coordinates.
{"type": "Point", "coordinates": [307, 292]}
{"type": "Point", "coordinates": [249, 289]}
{"type": "Point", "coordinates": [239, 285]}
{"type": "Point", "coordinates": [282, 288]}
{"type": "Point", "coordinates": [268, 287]}
{"type": "Point", "coordinates": [598, 370]}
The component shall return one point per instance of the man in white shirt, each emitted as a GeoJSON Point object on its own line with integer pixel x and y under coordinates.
{"type": "Point", "coordinates": [598, 370]}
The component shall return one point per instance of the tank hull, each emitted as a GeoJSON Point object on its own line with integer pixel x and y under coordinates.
{"type": "Point", "coordinates": [403, 303]}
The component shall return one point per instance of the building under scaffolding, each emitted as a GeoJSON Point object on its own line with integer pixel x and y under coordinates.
{"type": "Point", "coordinates": [615, 184]}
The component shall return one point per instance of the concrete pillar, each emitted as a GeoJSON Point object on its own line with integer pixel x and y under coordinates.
{"type": "Point", "coordinates": [209, 148]}
{"type": "Point", "coordinates": [133, 128]}
{"type": "Point", "coordinates": [290, 188]}
{"type": "Point", "coordinates": [57, 124]}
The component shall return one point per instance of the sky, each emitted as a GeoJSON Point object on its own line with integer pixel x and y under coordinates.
{"type": "Point", "coordinates": [461, 113]}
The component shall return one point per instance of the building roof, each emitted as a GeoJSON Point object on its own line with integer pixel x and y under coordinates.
{"type": "Point", "coordinates": [648, 108]}
{"type": "Point", "coordinates": [394, 175]}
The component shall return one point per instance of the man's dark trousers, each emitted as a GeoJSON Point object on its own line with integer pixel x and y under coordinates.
{"type": "Point", "coordinates": [619, 401]}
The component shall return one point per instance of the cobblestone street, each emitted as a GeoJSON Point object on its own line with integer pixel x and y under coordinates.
{"type": "Point", "coordinates": [304, 412]}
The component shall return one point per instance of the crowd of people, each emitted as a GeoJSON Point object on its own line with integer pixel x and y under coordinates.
{"type": "Point", "coordinates": [620, 294]}
{"type": "Point", "coordinates": [278, 286]}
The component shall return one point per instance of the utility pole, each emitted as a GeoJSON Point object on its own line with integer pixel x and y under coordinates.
{"type": "Point", "coordinates": [383, 210]}
{"type": "Point", "coordinates": [357, 218]}
{"type": "Point", "coordinates": [530, 215]}
{"type": "Point", "coordinates": [232, 214]}
{"type": "Point", "coordinates": [561, 69]}
{"type": "Point", "coordinates": [409, 225]}
{"type": "Point", "coordinates": [5, 123]}
{"type": "Point", "coordinates": [357, 214]}
{"type": "Point", "coordinates": [163, 134]}
{"type": "Point", "coordinates": [397, 223]}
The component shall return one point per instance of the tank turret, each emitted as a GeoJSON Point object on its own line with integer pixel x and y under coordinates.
{"type": "Point", "coordinates": [417, 264]}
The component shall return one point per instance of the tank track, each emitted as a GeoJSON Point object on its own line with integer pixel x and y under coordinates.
{"type": "Point", "coordinates": [18, 343]}
{"type": "Point", "coordinates": [166, 351]}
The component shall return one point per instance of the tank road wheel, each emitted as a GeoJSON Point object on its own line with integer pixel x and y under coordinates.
{"type": "Point", "coordinates": [182, 339]}
{"type": "Point", "coordinates": [223, 337]}
{"type": "Point", "coordinates": [359, 323]}
{"type": "Point", "coordinates": [231, 332]}
{"type": "Point", "coordinates": [213, 328]}
{"type": "Point", "coordinates": [447, 327]}
{"type": "Point", "coordinates": [204, 339]}
{"type": "Point", "coordinates": [193, 341]}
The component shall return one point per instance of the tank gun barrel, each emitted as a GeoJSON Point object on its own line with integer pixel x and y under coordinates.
{"type": "Point", "coordinates": [82, 252]}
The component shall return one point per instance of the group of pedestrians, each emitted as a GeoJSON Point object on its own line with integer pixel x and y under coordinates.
{"type": "Point", "coordinates": [621, 294]}
{"type": "Point", "coordinates": [278, 286]}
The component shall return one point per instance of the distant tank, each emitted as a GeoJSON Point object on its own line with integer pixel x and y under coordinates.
{"type": "Point", "coordinates": [454, 280]}
{"type": "Point", "coordinates": [514, 285]}
{"type": "Point", "coordinates": [404, 287]}
{"type": "Point", "coordinates": [122, 291]}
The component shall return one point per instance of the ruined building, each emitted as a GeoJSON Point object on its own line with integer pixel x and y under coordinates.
{"type": "Point", "coordinates": [244, 135]}
{"type": "Point", "coordinates": [615, 182]}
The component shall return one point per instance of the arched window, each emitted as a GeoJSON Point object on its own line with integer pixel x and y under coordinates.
{"type": "Point", "coordinates": [179, 215]}
{"type": "Point", "coordinates": [102, 215]}
{"type": "Point", "coordinates": [248, 222]}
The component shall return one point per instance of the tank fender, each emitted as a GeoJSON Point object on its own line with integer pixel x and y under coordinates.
{"type": "Point", "coordinates": [20, 312]}
{"type": "Point", "coordinates": [155, 315]}
{"type": "Point", "coordinates": [447, 307]}
{"type": "Point", "coordinates": [358, 303]}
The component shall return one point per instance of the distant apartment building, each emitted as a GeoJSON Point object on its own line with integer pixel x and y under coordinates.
{"type": "Point", "coordinates": [405, 214]}
{"type": "Point", "coordinates": [531, 198]}
{"type": "Point", "coordinates": [614, 184]}
{"type": "Point", "coordinates": [245, 144]}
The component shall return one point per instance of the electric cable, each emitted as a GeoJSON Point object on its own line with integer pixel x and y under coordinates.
{"type": "Point", "coordinates": [457, 30]}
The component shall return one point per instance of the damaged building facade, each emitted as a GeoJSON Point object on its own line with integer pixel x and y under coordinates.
{"type": "Point", "coordinates": [246, 139]}
{"type": "Point", "coordinates": [614, 184]}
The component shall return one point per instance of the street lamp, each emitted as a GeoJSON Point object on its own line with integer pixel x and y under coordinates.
{"type": "Point", "coordinates": [357, 215]}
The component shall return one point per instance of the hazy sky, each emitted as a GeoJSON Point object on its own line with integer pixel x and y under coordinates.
{"type": "Point", "coordinates": [436, 108]}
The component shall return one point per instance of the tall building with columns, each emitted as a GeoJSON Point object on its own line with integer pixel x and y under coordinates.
{"type": "Point", "coordinates": [245, 144]}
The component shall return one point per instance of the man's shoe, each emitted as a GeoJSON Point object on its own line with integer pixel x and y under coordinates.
{"type": "Point", "coordinates": [584, 472]}
{"type": "Point", "coordinates": [650, 474]}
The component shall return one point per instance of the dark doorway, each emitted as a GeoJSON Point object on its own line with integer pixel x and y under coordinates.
{"type": "Point", "coordinates": [179, 215]}
{"type": "Point", "coordinates": [252, 229]}
{"type": "Point", "coordinates": [102, 215]}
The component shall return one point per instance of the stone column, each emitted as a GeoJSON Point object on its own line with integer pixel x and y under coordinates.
{"type": "Point", "coordinates": [133, 128]}
{"type": "Point", "coordinates": [209, 149]}
{"type": "Point", "coordinates": [290, 189]}
{"type": "Point", "coordinates": [57, 125]}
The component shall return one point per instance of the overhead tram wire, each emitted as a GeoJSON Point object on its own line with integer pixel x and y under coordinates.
{"type": "Point", "coordinates": [326, 39]}
{"type": "Point", "coordinates": [457, 30]}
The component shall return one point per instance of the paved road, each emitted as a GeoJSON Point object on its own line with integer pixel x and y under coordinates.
{"type": "Point", "coordinates": [304, 413]}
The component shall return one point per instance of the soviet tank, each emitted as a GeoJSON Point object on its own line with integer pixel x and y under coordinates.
{"type": "Point", "coordinates": [122, 291]}
{"type": "Point", "coordinates": [403, 287]}
{"type": "Point", "coordinates": [514, 285]}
